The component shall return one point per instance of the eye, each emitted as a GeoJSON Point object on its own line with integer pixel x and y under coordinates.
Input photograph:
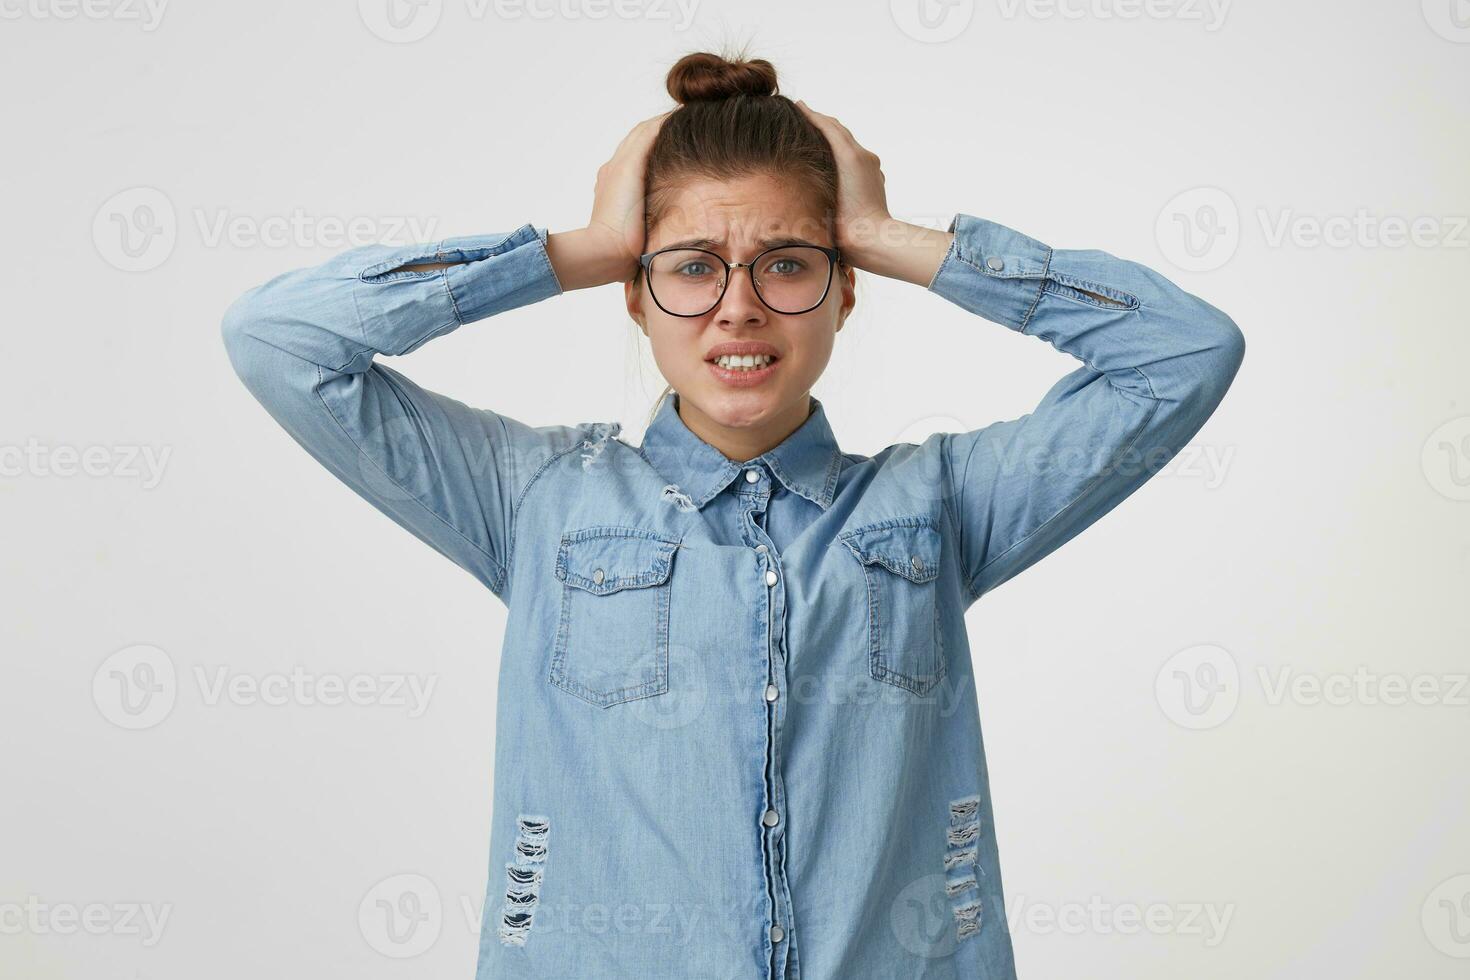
{"type": "Point", "coordinates": [785, 266]}
{"type": "Point", "coordinates": [694, 268]}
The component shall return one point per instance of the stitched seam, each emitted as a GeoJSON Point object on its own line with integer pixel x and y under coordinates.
{"type": "Point", "coordinates": [952, 254]}
{"type": "Point", "coordinates": [1121, 301]}
{"type": "Point", "coordinates": [1040, 289]}
{"type": "Point", "coordinates": [458, 316]}
{"type": "Point", "coordinates": [1060, 292]}
{"type": "Point", "coordinates": [546, 257]}
{"type": "Point", "coordinates": [1137, 434]}
{"type": "Point", "coordinates": [1041, 284]}
{"type": "Point", "coordinates": [515, 516]}
{"type": "Point", "coordinates": [954, 520]}
{"type": "Point", "coordinates": [495, 566]}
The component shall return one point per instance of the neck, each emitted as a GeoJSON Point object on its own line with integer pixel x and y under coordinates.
{"type": "Point", "coordinates": [741, 443]}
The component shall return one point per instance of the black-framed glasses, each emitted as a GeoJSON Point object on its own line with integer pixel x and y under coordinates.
{"type": "Point", "coordinates": [788, 279]}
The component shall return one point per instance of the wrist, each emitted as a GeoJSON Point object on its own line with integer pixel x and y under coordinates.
{"type": "Point", "coordinates": [898, 250]}
{"type": "Point", "coordinates": [587, 257]}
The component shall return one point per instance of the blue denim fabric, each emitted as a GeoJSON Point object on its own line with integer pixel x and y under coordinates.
{"type": "Point", "coordinates": [737, 734]}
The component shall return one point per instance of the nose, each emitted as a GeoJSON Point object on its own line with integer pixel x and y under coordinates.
{"type": "Point", "coordinates": [740, 305]}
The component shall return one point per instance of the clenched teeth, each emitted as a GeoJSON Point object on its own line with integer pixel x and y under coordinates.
{"type": "Point", "coordinates": [743, 362]}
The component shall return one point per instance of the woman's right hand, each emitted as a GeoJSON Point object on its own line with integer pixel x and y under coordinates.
{"type": "Point", "coordinates": [607, 249]}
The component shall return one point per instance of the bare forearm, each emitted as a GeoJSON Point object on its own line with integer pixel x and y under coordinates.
{"type": "Point", "coordinates": [585, 257]}
{"type": "Point", "coordinates": [899, 250]}
{"type": "Point", "coordinates": [581, 259]}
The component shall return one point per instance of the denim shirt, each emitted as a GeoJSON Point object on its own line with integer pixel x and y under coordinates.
{"type": "Point", "coordinates": [737, 734]}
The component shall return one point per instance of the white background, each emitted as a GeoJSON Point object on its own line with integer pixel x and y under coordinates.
{"type": "Point", "coordinates": [1141, 749]}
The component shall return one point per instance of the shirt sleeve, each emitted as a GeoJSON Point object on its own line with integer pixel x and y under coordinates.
{"type": "Point", "coordinates": [1155, 363]}
{"type": "Point", "coordinates": [304, 345]}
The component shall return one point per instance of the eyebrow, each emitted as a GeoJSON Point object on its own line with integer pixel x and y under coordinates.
{"type": "Point", "coordinates": [713, 243]}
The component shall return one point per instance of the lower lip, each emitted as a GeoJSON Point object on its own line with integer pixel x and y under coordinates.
{"type": "Point", "coordinates": [742, 379]}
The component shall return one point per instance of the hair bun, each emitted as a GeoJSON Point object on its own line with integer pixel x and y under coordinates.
{"type": "Point", "coordinates": [705, 77]}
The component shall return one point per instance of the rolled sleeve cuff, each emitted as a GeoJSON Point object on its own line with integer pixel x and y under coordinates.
{"type": "Point", "coordinates": [498, 273]}
{"type": "Point", "coordinates": [993, 271]}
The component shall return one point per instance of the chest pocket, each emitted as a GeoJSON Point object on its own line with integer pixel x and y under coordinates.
{"type": "Point", "coordinates": [612, 636]}
{"type": "Point", "coordinates": [900, 563]}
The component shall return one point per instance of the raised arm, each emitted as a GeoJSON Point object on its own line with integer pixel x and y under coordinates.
{"type": "Point", "coordinates": [1155, 362]}
{"type": "Point", "coordinates": [305, 344]}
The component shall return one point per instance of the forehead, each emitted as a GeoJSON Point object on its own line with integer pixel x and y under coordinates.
{"type": "Point", "coordinates": [739, 212]}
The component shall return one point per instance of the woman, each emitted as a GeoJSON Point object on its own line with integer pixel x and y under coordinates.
{"type": "Point", "coordinates": [737, 734]}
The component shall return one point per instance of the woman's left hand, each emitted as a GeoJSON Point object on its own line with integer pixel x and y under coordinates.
{"type": "Point", "coordinates": [862, 203]}
{"type": "Point", "coordinates": [870, 238]}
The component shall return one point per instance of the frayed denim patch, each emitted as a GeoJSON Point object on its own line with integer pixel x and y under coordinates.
{"type": "Point", "coordinates": [960, 856]}
{"type": "Point", "coordinates": [592, 447]}
{"type": "Point", "coordinates": [523, 879]}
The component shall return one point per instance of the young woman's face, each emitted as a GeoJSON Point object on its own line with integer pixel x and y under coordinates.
{"type": "Point", "coordinates": [737, 219]}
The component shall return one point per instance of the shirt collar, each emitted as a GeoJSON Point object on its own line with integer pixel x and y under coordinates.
{"type": "Point", "coordinates": [806, 462]}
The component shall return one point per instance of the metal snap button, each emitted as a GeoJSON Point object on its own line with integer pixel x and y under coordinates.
{"type": "Point", "coordinates": [598, 575]}
{"type": "Point", "coordinates": [917, 562]}
{"type": "Point", "coordinates": [995, 263]}
{"type": "Point", "coordinates": [752, 475]}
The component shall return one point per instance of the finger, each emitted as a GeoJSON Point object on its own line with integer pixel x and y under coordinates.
{"type": "Point", "coordinates": [830, 126]}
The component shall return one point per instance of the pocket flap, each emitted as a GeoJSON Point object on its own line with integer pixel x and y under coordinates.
{"type": "Point", "coordinates": [606, 559]}
{"type": "Point", "coordinates": [910, 550]}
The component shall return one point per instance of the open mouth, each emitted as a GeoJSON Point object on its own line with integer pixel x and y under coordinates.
{"type": "Point", "coordinates": [742, 363]}
{"type": "Point", "coordinates": [743, 370]}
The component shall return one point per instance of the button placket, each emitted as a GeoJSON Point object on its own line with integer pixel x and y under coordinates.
{"type": "Point", "coordinates": [771, 818]}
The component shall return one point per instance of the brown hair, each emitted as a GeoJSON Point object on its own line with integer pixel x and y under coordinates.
{"type": "Point", "coordinates": [732, 121]}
